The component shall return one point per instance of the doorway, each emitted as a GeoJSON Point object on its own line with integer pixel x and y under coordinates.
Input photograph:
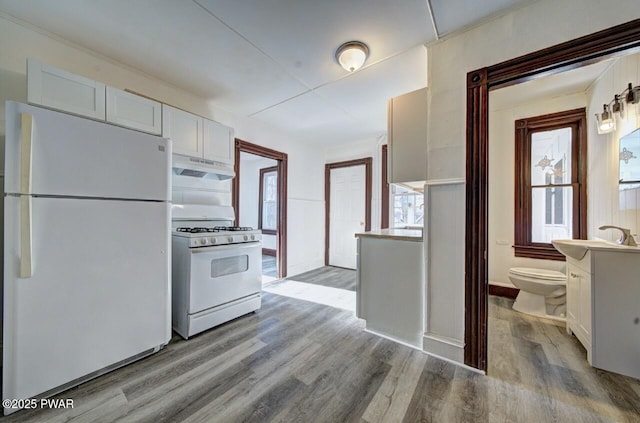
{"type": "Point", "coordinates": [348, 192]}
{"type": "Point", "coordinates": [572, 54]}
{"type": "Point", "coordinates": [260, 201]}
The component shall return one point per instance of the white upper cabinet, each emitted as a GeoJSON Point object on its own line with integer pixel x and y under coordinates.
{"type": "Point", "coordinates": [58, 89]}
{"type": "Point", "coordinates": [196, 136]}
{"type": "Point", "coordinates": [184, 129]}
{"type": "Point", "coordinates": [218, 142]}
{"type": "Point", "coordinates": [407, 137]}
{"type": "Point", "coordinates": [133, 111]}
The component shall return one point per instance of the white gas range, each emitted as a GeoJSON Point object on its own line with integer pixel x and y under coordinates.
{"type": "Point", "coordinates": [216, 276]}
{"type": "Point", "coordinates": [216, 268]}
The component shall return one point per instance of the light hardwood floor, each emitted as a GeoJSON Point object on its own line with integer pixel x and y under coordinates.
{"type": "Point", "coordinates": [296, 361]}
{"type": "Point", "coordinates": [334, 277]}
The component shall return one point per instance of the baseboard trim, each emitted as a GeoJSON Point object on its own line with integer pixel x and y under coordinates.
{"type": "Point", "coordinates": [268, 252]}
{"type": "Point", "coordinates": [503, 291]}
{"type": "Point", "coordinates": [391, 338]}
{"type": "Point", "coordinates": [444, 347]}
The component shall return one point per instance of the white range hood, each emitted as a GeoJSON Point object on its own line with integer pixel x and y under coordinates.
{"type": "Point", "coordinates": [201, 168]}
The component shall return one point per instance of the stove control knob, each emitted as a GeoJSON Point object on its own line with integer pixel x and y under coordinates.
{"type": "Point", "coordinates": [253, 237]}
{"type": "Point", "coordinates": [230, 239]}
{"type": "Point", "coordinates": [213, 240]}
{"type": "Point", "coordinates": [203, 241]}
{"type": "Point", "coordinates": [246, 238]}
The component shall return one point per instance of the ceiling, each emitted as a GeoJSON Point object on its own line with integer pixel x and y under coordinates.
{"type": "Point", "coordinates": [272, 60]}
{"type": "Point", "coordinates": [574, 81]}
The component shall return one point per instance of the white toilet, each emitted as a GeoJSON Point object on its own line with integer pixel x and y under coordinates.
{"type": "Point", "coordinates": [542, 292]}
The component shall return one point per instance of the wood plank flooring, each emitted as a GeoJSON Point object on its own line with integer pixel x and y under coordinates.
{"type": "Point", "coordinates": [334, 277]}
{"type": "Point", "coordinates": [269, 267]}
{"type": "Point", "coordinates": [296, 361]}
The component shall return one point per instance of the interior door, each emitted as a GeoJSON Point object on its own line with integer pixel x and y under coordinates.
{"type": "Point", "coordinates": [346, 214]}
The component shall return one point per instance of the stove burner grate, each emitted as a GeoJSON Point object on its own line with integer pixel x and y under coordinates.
{"type": "Point", "coordinates": [214, 229]}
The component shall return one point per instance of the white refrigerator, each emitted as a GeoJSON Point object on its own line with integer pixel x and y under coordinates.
{"type": "Point", "coordinates": [86, 249]}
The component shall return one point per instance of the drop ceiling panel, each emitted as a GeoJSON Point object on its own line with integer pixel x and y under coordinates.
{"type": "Point", "coordinates": [303, 35]}
{"type": "Point", "coordinates": [307, 112]}
{"type": "Point", "coordinates": [364, 94]}
{"type": "Point", "coordinates": [176, 41]}
{"type": "Point", "coordinates": [452, 15]}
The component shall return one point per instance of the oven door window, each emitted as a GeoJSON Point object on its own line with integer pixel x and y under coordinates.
{"type": "Point", "coordinates": [229, 265]}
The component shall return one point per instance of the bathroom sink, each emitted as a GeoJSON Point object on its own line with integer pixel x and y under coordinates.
{"type": "Point", "coordinates": [577, 248]}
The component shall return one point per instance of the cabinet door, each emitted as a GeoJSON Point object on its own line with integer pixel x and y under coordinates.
{"type": "Point", "coordinates": [573, 297]}
{"type": "Point", "coordinates": [584, 321]}
{"type": "Point", "coordinates": [407, 137]}
{"type": "Point", "coordinates": [184, 129]}
{"type": "Point", "coordinates": [218, 142]}
{"type": "Point", "coordinates": [133, 111]}
{"type": "Point", "coordinates": [61, 90]}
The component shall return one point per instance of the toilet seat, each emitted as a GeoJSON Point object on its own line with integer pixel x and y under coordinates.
{"type": "Point", "coordinates": [544, 274]}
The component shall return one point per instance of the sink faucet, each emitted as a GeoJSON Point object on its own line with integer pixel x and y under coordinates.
{"type": "Point", "coordinates": [625, 239]}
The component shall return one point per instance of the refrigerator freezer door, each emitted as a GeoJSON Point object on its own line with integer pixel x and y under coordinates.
{"type": "Point", "coordinates": [73, 156]}
{"type": "Point", "coordinates": [99, 291]}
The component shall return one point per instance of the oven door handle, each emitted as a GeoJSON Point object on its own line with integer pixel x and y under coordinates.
{"type": "Point", "coordinates": [225, 247]}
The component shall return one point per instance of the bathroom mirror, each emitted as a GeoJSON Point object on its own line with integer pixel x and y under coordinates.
{"type": "Point", "coordinates": [630, 158]}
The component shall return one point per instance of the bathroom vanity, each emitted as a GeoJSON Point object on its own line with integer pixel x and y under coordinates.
{"type": "Point", "coordinates": [603, 302]}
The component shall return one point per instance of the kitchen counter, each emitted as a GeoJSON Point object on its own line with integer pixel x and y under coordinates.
{"type": "Point", "coordinates": [397, 234]}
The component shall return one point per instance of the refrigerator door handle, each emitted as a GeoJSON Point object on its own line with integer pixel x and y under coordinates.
{"type": "Point", "coordinates": [26, 142]}
{"type": "Point", "coordinates": [26, 270]}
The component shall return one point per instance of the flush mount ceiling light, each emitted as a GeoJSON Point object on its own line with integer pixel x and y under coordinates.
{"type": "Point", "coordinates": [352, 55]}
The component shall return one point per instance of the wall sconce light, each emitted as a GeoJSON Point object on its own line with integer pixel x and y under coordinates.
{"type": "Point", "coordinates": [607, 119]}
{"type": "Point", "coordinates": [352, 55]}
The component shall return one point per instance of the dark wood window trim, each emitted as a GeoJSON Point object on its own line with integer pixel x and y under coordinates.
{"type": "Point", "coordinates": [616, 41]}
{"type": "Point", "coordinates": [384, 195]}
{"type": "Point", "coordinates": [261, 198]}
{"type": "Point", "coordinates": [367, 162]}
{"type": "Point", "coordinates": [282, 159]}
{"type": "Point", "coordinates": [524, 129]}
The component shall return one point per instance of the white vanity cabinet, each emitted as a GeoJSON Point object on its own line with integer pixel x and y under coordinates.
{"type": "Point", "coordinates": [603, 306]}
{"type": "Point", "coordinates": [57, 89]}
{"type": "Point", "coordinates": [133, 111]}
{"type": "Point", "coordinates": [579, 301]}
{"type": "Point", "coordinates": [218, 142]}
{"type": "Point", "coordinates": [407, 137]}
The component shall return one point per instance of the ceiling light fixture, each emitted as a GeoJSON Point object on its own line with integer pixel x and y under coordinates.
{"type": "Point", "coordinates": [607, 119]}
{"type": "Point", "coordinates": [352, 55]}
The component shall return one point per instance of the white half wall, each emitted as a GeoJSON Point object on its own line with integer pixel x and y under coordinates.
{"type": "Point", "coordinates": [19, 41]}
{"type": "Point", "coordinates": [537, 25]}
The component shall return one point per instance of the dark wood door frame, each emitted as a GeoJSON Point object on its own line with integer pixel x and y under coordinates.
{"type": "Point", "coordinates": [367, 162]}
{"type": "Point", "coordinates": [384, 194]}
{"type": "Point", "coordinates": [616, 41]}
{"type": "Point", "coordinates": [281, 158]}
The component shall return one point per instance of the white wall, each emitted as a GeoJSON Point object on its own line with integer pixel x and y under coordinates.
{"type": "Point", "coordinates": [535, 26]}
{"type": "Point", "coordinates": [608, 205]}
{"type": "Point", "coordinates": [250, 195]}
{"type": "Point", "coordinates": [18, 41]}
{"type": "Point", "coordinates": [502, 182]}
